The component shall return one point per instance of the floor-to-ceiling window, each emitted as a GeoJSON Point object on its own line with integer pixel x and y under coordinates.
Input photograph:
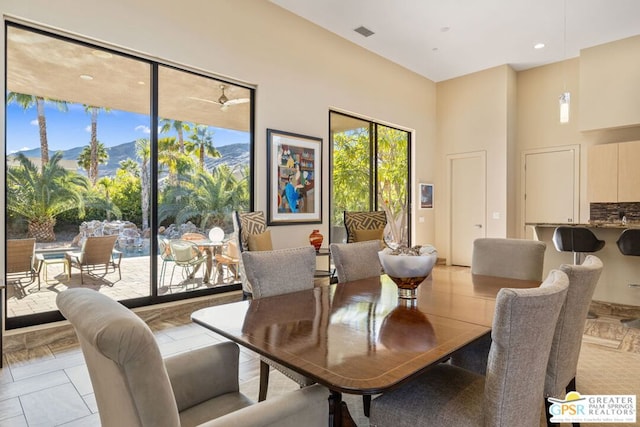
{"type": "Point", "coordinates": [103, 143]}
{"type": "Point", "coordinates": [369, 171]}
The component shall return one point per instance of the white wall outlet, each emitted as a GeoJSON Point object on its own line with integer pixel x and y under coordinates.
{"type": "Point", "coordinates": [421, 219]}
{"type": "Point", "coordinates": [496, 215]}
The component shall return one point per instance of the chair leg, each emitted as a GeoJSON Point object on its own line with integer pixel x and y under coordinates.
{"type": "Point", "coordinates": [264, 381]}
{"type": "Point", "coordinates": [366, 404]}
{"type": "Point", "coordinates": [572, 387]}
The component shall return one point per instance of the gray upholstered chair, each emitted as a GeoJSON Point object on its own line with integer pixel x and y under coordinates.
{"type": "Point", "coordinates": [565, 349]}
{"type": "Point", "coordinates": [523, 327]}
{"type": "Point", "coordinates": [355, 261]}
{"type": "Point", "coordinates": [134, 386]}
{"type": "Point", "coordinates": [274, 273]}
{"type": "Point", "coordinates": [511, 258]}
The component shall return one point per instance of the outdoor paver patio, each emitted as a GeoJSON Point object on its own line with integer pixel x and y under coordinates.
{"type": "Point", "coordinates": [135, 283]}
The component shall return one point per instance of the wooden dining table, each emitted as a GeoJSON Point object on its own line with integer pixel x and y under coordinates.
{"type": "Point", "coordinates": [359, 337]}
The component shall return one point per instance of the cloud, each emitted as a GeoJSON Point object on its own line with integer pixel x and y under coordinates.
{"type": "Point", "coordinates": [88, 128]}
{"type": "Point", "coordinates": [143, 129]}
{"type": "Point", "coordinates": [19, 149]}
{"type": "Point", "coordinates": [34, 122]}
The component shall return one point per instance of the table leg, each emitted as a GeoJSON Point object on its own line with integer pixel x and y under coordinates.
{"type": "Point", "coordinates": [209, 265]}
{"type": "Point", "coordinates": [339, 415]}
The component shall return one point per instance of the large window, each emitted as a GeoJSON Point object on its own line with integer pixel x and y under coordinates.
{"type": "Point", "coordinates": [101, 143]}
{"type": "Point", "coordinates": [369, 171]}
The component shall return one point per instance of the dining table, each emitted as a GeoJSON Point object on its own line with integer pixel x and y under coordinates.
{"type": "Point", "coordinates": [359, 337]}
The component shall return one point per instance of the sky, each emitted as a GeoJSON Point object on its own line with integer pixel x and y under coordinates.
{"type": "Point", "coordinates": [71, 129]}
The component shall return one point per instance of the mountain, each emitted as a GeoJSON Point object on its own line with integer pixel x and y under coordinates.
{"type": "Point", "coordinates": [232, 155]}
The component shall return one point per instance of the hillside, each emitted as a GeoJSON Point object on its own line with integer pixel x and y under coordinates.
{"type": "Point", "coordinates": [232, 155]}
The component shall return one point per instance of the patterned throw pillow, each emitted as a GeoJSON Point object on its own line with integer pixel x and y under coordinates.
{"type": "Point", "coordinates": [250, 223]}
{"type": "Point", "coordinates": [363, 221]}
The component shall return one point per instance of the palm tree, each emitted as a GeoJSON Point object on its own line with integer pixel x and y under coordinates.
{"type": "Point", "coordinates": [179, 126]}
{"type": "Point", "coordinates": [93, 167]}
{"type": "Point", "coordinates": [143, 151]}
{"type": "Point", "coordinates": [84, 159]}
{"type": "Point", "coordinates": [201, 144]}
{"type": "Point", "coordinates": [28, 101]}
{"type": "Point", "coordinates": [41, 195]}
{"type": "Point", "coordinates": [175, 162]}
{"type": "Point", "coordinates": [107, 185]}
{"type": "Point", "coordinates": [208, 199]}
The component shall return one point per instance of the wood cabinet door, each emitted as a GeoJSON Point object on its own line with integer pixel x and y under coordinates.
{"type": "Point", "coordinates": [602, 173]}
{"type": "Point", "coordinates": [629, 171]}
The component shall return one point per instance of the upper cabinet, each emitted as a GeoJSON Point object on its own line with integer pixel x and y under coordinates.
{"type": "Point", "coordinates": [613, 172]}
{"type": "Point", "coordinates": [610, 85]}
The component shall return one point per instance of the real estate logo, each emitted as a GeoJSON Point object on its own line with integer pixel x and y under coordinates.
{"type": "Point", "coordinates": [576, 408]}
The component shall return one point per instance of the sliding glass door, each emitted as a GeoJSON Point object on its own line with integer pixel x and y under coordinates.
{"type": "Point", "coordinates": [369, 171]}
{"type": "Point", "coordinates": [101, 143]}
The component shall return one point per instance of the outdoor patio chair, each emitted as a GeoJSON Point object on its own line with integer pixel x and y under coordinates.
{"type": "Point", "coordinates": [23, 268]}
{"type": "Point", "coordinates": [227, 262]}
{"type": "Point", "coordinates": [97, 258]}
{"type": "Point", "coordinates": [165, 256]}
{"type": "Point", "coordinates": [187, 256]}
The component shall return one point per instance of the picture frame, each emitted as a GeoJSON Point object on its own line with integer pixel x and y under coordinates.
{"type": "Point", "coordinates": [294, 178]}
{"type": "Point", "coordinates": [426, 196]}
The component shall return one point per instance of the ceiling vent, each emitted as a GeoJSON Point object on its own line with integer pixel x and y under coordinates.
{"type": "Point", "coordinates": [364, 31]}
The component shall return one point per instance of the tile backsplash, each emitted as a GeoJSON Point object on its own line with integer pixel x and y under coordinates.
{"type": "Point", "coordinates": [613, 212]}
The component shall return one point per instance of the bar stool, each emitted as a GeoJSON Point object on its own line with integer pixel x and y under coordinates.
{"type": "Point", "coordinates": [629, 244]}
{"type": "Point", "coordinates": [579, 240]}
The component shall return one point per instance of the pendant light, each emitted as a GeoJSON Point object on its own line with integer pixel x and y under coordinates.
{"type": "Point", "coordinates": [565, 98]}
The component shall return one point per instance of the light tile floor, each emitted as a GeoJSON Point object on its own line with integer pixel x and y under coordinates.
{"type": "Point", "coordinates": [49, 385]}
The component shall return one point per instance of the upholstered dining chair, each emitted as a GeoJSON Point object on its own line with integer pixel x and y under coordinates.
{"type": "Point", "coordinates": [362, 226]}
{"type": "Point", "coordinates": [510, 258]}
{"type": "Point", "coordinates": [355, 261]}
{"type": "Point", "coordinates": [135, 386]}
{"type": "Point", "coordinates": [279, 272]}
{"type": "Point", "coordinates": [522, 332]}
{"type": "Point", "coordinates": [567, 338]}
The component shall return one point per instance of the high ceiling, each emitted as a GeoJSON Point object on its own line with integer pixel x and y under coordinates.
{"type": "Point", "coordinates": [49, 67]}
{"type": "Point", "coordinates": [443, 39]}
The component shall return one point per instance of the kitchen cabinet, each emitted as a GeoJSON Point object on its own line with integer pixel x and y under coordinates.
{"type": "Point", "coordinates": [613, 172]}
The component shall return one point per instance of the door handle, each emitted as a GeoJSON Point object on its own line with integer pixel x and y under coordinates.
{"type": "Point", "coordinates": [478, 225]}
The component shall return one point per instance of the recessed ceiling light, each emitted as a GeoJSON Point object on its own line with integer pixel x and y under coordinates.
{"type": "Point", "coordinates": [86, 77]}
{"type": "Point", "coordinates": [101, 54]}
{"type": "Point", "coordinates": [538, 46]}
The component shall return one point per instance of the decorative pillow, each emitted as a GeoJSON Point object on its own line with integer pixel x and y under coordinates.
{"type": "Point", "coordinates": [260, 242]}
{"type": "Point", "coordinates": [250, 223]}
{"type": "Point", "coordinates": [365, 235]}
{"type": "Point", "coordinates": [363, 220]}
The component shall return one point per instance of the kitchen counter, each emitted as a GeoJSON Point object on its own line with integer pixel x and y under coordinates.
{"type": "Point", "coordinates": [594, 224]}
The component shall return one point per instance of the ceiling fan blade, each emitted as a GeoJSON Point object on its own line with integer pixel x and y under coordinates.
{"type": "Point", "coordinates": [195, 98]}
{"type": "Point", "coordinates": [237, 101]}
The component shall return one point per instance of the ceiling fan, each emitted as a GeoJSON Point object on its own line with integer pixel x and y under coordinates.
{"type": "Point", "coordinates": [223, 101]}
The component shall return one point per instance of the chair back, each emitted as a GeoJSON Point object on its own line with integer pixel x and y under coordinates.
{"type": "Point", "coordinates": [127, 372]}
{"type": "Point", "coordinates": [163, 248]}
{"type": "Point", "coordinates": [510, 258]}
{"type": "Point", "coordinates": [280, 271]}
{"type": "Point", "coordinates": [522, 332]}
{"type": "Point", "coordinates": [232, 250]}
{"type": "Point", "coordinates": [576, 239]}
{"type": "Point", "coordinates": [184, 251]}
{"type": "Point", "coordinates": [629, 242]}
{"type": "Point", "coordinates": [193, 236]}
{"type": "Point", "coordinates": [244, 224]}
{"type": "Point", "coordinates": [355, 261]}
{"type": "Point", "coordinates": [372, 223]}
{"type": "Point", "coordinates": [98, 249]}
{"type": "Point", "coordinates": [567, 339]}
{"type": "Point", "coordinates": [20, 255]}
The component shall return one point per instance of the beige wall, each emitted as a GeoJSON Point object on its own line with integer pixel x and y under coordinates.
{"type": "Point", "coordinates": [300, 71]}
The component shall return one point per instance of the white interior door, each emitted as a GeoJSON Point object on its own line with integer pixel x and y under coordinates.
{"type": "Point", "coordinates": [467, 174]}
{"type": "Point", "coordinates": [551, 186]}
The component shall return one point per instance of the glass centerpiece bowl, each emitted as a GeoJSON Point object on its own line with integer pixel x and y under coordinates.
{"type": "Point", "coordinates": [408, 267]}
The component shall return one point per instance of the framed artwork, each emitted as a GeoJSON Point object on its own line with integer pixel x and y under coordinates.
{"type": "Point", "coordinates": [294, 173]}
{"type": "Point", "coordinates": [426, 196]}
